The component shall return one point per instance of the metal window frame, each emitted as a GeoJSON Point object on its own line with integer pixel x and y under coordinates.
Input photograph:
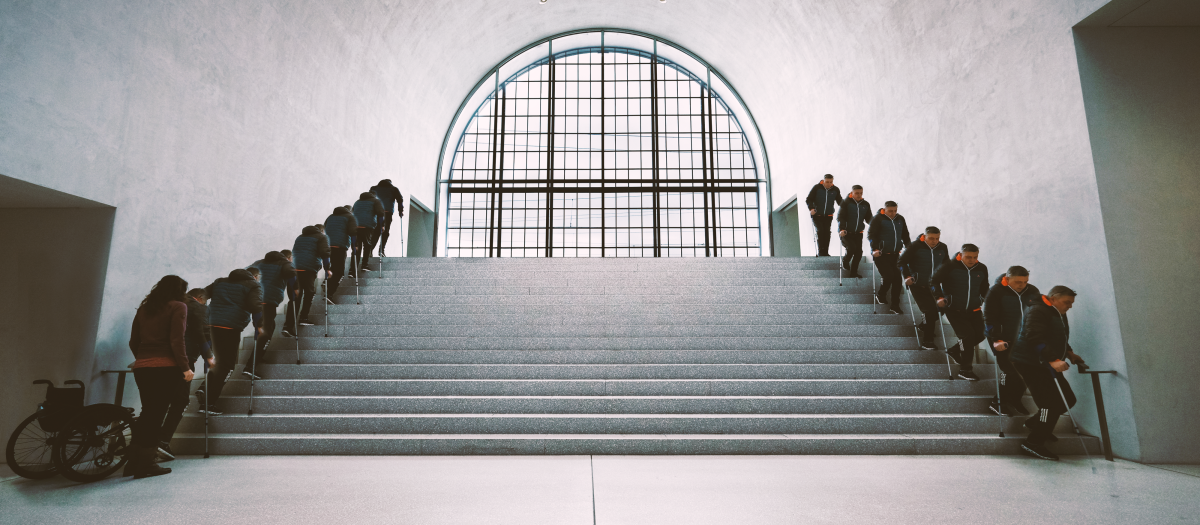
{"type": "Point", "coordinates": [763, 164]}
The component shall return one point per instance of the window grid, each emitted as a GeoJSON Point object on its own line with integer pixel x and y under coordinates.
{"type": "Point", "coordinates": [613, 153]}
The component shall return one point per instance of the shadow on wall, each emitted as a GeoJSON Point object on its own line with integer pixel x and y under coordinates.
{"type": "Point", "coordinates": [52, 275]}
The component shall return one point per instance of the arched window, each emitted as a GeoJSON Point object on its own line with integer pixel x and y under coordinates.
{"type": "Point", "coordinates": [603, 151]}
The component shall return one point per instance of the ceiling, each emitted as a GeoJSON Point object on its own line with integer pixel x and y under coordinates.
{"type": "Point", "coordinates": [15, 193]}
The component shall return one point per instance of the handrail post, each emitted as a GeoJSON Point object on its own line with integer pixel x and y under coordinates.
{"type": "Point", "coordinates": [120, 383]}
{"type": "Point", "coordinates": [1105, 442]}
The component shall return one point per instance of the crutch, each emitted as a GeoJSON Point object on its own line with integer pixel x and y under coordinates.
{"type": "Point", "coordinates": [296, 316]}
{"type": "Point", "coordinates": [254, 367]}
{"type": "Point", "coordinates": [325, 292]}
{"type": "Point", "coordinates": [874, 291]}
{"type": "Point", "coordinates": [942, 329]}
{"type": "Point", "coordinates": [999, 403]}
{"type": "Point", "coordinates": [1078, 433]}
{"type": "Point", "coordinates": [911, 314]}
{"type": "Point", "coordinates": [357, 270]}
{"type": "Point", "coordinates": [205, 387]}
{"type": "Point", "coordinates": [841, 257]}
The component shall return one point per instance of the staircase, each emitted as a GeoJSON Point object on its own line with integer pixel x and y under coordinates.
{"type": "Point", "coordinates": [609, 356]}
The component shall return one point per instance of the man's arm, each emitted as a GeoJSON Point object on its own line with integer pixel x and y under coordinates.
{"type": "Point", "coordinates": [902, 262]}
{"type": "Point", "coordinates": [935, 286]}
{"type": "Point", "coordinates": [993, 318]}
{"type": "Point", "coordinates": [873, 230]}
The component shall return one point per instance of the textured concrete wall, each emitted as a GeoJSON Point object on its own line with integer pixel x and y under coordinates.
{"type": "Point", "coordinates": [1140, 88]}
{"type": "Point", "coordinates": [52, 277]}
{"type": "Point", "coordinates": [217, 127]}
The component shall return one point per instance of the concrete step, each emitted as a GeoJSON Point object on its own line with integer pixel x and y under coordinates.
{"type": "Point", "coordinates": [283, 351]}
{"type": "Point", "coordinates": [347, 295]}
{"type": "Point", "coordinates": [603, 371]}
{"type": "Point", "coordinates": [518, 331]}
{"type": "Point", "coordinates": [618, 319]}
{"type": "Point", "coordinates": [588, 279]}
{"type": "Point", "coordinates": [605, 387]}
{"type": "Point", "coordinates": [377, 288]}
{"type": "Point", "coordinates": [581, 310]}
{"type": "Point", "coordinates": [317, 342]}
{"type": "Point", "coordinates": [609, 404]}
{"type": "Point", "coordinates": [896, 424]}
{"type": "Point", "coordinates": [623, 444]}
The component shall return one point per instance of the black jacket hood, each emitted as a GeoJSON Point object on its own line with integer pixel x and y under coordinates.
{"type": "Point", "coordinates": [341, 211]}
{"type": "Point", "coordinates": [308, 230]}
{"type": "Point", "coordinates": [274, 257]}
{"type": "Point", "coordinates": [241, 275]}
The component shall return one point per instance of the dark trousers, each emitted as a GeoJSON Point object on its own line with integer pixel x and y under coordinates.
{"type": "Point", "coordinates": [179, 401]}
{"type": "Point", "coordinates": [225, 347]}
{"type": "Point", "coordinates": [886, 265]}
{"type": "Point", "coordinates": [362, 247]}
{"type": "Point", "coordinates": [260, 347]}
{"type": "Point", "coordinates": [383, 231]}
{"type": "Point", "coordinates": [854, 251]}
{"type": "Point", "coordinates": [306, 286]}
{"type": "Point", "coordinates": [968, 326]}
{"type": "Point", "coordinates": [156, 386]}
{"type": "Point", "coordinates": [1041, 380]}
{"type": "Point", "coordinates": [822, 224]}
{"type": "Point", "coordinates": [1012, 387]}
{"type": "Point", "coordinates": [337, 263]}
{"type": "Point", "coordinates": [929, 311]}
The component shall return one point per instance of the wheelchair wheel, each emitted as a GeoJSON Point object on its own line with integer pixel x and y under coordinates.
{"type": "Point", "coordinates": [94, 444]}
{"type": "Point", "coordinates": [29, 450]}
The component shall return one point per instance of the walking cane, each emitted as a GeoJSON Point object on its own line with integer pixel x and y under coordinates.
{"type": "Point", "coordinates": [205, 387]}
{"type": "Point", "coordinates": [357, 270]}
{"type": "Point", "coordinates": [296, 316]}
{"type": "Point", "coordinates": [942, 329]}
{"type": "Point", "coordinates": [1073, 423]}
{"type": "Point", "coordinates": [841, 257]}
{"type": "Point", "coordinates": [874, 291]}
{"type": "Point", "coordinates": [911, 314]}
{"type": "Point", "coordinates": [253, 366]}
{"type": "Point", "coordinates": [999, 404]}
{"type": "Point", "coordinates": [325, 292]}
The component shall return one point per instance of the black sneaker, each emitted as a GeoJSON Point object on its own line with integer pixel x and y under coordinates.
{"type": "Point", "coordinates": [306, 322]}
{"type": "Point", "coordinates": [1015, 410]}
{"type": "Point", "coordinates": [1037, 451]}
{"type": "Point", "coordinates": [200, 398]}
{"type": "Point", "coordinates": [955, 352]}
{"type": "Point", "coordinates": [879, 299]}
{"type": "Point", "coordinates": [926, 345]}
{"type": "Point", "coordinates": [895, 310]}
{"type": "Point", "coordinates": [164, 453]}
{"type": "Point", "coordinates": [968, 375]}
{"type": "Point", "coordinates": [998, 409]}
{"type": "Point", "coordinates": [212, 410]}
{"type": "Point", "coordinates": [287, 333]}
{"type": "Point", "coordinates": [251, 375]}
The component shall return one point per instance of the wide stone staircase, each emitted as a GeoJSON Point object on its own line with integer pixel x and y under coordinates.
{"type": "Point", "coordinates": [608, 356]}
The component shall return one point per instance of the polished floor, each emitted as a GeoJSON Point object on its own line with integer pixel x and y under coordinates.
{"type": "Point", "coordinates": [619, 489]}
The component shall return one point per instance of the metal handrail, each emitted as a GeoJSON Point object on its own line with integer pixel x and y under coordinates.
{"type": "Point", "coordinates": [1099, 395]}
{"type": "Point", "coordinates": [120, 383]}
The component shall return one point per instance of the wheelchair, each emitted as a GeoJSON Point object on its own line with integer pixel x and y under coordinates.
{"type": "Point", "coordinates": [83, 443]}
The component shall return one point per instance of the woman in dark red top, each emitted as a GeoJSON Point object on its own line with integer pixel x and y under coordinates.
{"type": "Point", "coordinates": [157, 342]}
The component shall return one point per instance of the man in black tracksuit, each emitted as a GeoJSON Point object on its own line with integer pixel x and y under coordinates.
{"type": "Point", "coordinates": [918, 262]}
{"type": "Point", "coordinates": [340, 227]}
{"type": "Point", "coordinates": [888, 234]}
{"type": "Point", "coordinates": [277, 277]}
{"type": "Point", "coordinates": [959, 287]}
{"type": "Point", "coordinates": [852, 222]}
{"type": "Point", "coordinates": [368, 211]}
{"type": "Point", "coordinates": [1039, 357]}
{"type": "Point", "coordinates": [390, 196]}
{"type": "Point", "coordinates": [310, 254]}
{"type": "Point", "coordinates": [820, 203]}
{"type": "Point", "coordinates": [236, 302]}
{"type": "Point", "coordinates": [1003, 314]}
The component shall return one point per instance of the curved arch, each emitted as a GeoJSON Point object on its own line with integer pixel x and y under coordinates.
{"type": "Point", "coordinates": [546, 50]}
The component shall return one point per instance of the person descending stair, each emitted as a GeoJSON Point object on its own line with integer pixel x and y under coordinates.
{"type": "Point", "coordinates": [1039, 357]}
{"type": "Point", "coordinates": [340, 227]}
{"type": "Point", "coordinates": [1003, 314]}
{"type": "Point", "coordinates": [390, 196]}
{"type": "Point", "coordinates": [820, 201]}
{"type": "Point", "coordinates": [368, 211]}
{"type": "Point", "coordinates": [959, 287]}
{"type": "Point", "coordinates": [888, 234]}
{"type": "Point", "coordinates": [852, 222]}
{"type": "Point", "coordinates": [917, 263]}
{"type": "Point", "coordinates": [278, 278]}
{"type": "Point", "coordinates": [310, 254]}
{"type": "Point", "coordinates": [235, 301]}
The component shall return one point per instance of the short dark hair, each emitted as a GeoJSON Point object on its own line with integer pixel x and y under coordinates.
{"type": "Point", "coordinates": [890, 204]}
{"type": "Point", "coordinates": [285, 253]}
{"type": "Point", "coordinates": [968, 247]}
{"type": "Point", "coordinates": [855, 187]}
{"type": "Point", "coordinates": [253, 270]}
{"type": "Point", "coordinates": [1061, 290]}
{"type": "Point", "coordinates": [319, 227]}
{"type": "Point", "coordinates": [829, 175]}
{"type": "Point", "coordinates": [1017, 271]}
{"type": "Point", "coordinates": [930, 230]}
{"type": "Point", "coordinates": [198, 293]}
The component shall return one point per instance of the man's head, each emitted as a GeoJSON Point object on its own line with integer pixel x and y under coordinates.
{"type": "Point", "coordinates": [827, 181]}
{"type": "Point", "coordinates": [254, 271]}
{"type": "Point", "coordinates": [970, 254]}
{"type": "Point", "coordinates": [1061, 298]}
{"type": "Point", "coordinates": [856, 192]}
{"type": "Point", "coordinates": [889, 209]}
{"type": "Point", "coordinates": [320, 227]}
{"type": "Point", "coordinates": [933, 236]}
{"type": "Point", "coordinates": [199, 295]}
{"type": "Point", "coordinates": [287, 254]}
{"type": "Point", "coordinates": [1017, 277]}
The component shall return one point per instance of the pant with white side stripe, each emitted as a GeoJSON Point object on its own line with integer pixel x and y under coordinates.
{"type": "Point", "coordinates": [1040, 379]}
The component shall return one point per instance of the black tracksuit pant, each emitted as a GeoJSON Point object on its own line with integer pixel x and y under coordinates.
{"type": "Point", "coordinates": [383, 231]}
{"type": "Point", "coordinates": [362, 247]}
{"type": "Point", "coordinates": [968, 326]}
{"type": "Point", "coordinates": [1012, 387]}
{"type": "Point", "coordinates": [929, 310]}
{"type": "Point", "coordinates": [822, 223]}
{"type": "Point", "coordinates": [854, 251]}
{"type": "Point", "coordinates": [181, 398]}
{"type": "Point", "coordinates": [157, 386]}
{"type": "Point", "coordinates": [260, 347]}
{"type": "Point", "coordinates": [337, 263]}
{"type": "Point", "coordinates": [225, 346]}
{"type": "Point", "coordinates": [886, 265]}
{"type": "Point", "coordinates": [306, 286]}
{"type": "Point", "coordinates": [1041, 380]}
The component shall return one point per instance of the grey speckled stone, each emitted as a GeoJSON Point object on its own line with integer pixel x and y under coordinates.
{"type": "Point", "coordinates": [607, 343]}
{"type": "Point", "coordinates": [283, 352]}
{"type": "Point", "coordinates": [601, 371]}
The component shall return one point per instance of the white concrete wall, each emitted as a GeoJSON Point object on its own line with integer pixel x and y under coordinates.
{"type": "Point", "coordinates": [218, 128]}
{"type": "Point", "coordinates": [1140, 87]}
